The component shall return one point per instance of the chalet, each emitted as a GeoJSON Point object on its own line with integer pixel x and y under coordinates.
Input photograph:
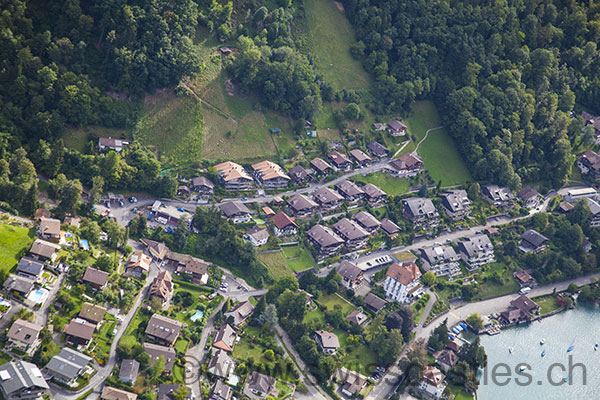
{"type": "Point", "coordinates": [456, 203]}
{"type": "Point", "coordinates": [500, 196]}
{"type": "Point", "coordinates": [374, 303]}
{"type": "Point", "coordinates": [476, 250]}
{"type": "Point", "coordinates": [112, 393]}
{"type": "Point", "coordinates": [156, 351]}
{"type": "Point", "coordinates": [421, 212]}
{"type": "Point", "coordinates": [378, 126]}
{"type": "Point", "coordinates": [327, 199]}
{"type": "Point", "coordinates": [193, 267]}
{"type": "Point", "coordinates": [24, 336]}
{"type": "Point", "coordinates": [301, 176]}
{"type": "Point", "coordinates": [79, 332]}
{"type": "Point", "coordinates": [406, 165]}
{"type": "Point", "coordinates": [352, 276]}
{"type": "Point", "coordinates": [325, 241]}
{"type": "Point", "coordinates": [221, 365]}
{"type": "Point", "coordinates": [257, 236]}
{"type": "Point", "coordinates": [529, 197]}
{"type": "Point", "coordinates": [351, 192]}
{"type": "Point", "coordinates": [327, 341]}
{"type": "Point", "coordinates": [95, 278]}
{"type": "Point", "coordinates": [524, 279]}
{"type": "Point", "coordinates": [396, 128]}
{"type": "Point", "coordinates": [137, 264]}
{"type": "Point", "coordinates": [354, 236]}
{"type": "Point", "coordinates": [92, 313]}
{"type": "Point", "coordinates": [259, 386]}
{"type": "Point", "coordinates": [236, 212]}
{"type": "Point", "coordinates": [589, 164]}
{"type": "Point", "coordinates": [30, 268]}
{"type": "Point", "coordinates": [533, 242]}
{"type": "Point", "coordinates": [129, 370]}
{"type": "Point", "coordinates": [158, 250]}
{"type": "Point", "coordinates": [302, 206]}
{"type": "Point", "coordinates": [21, 380]}
{"type": "Point", "coordinates": [357, 317]}
{"type": "Point", "coordinates": [225, 338]}
{"type": "Point", "coordinates": [284, 225]}
{"type": "Point", "coordinates": [432, 385]}
{"type": "Point", "coordinates": [320, 166]}
{"type": "Point", "coordinates": [402, 282]}
{"type": "Point", "coordinates": [367, 221]}
{"type": "Point", "coordinates": [18, 284]}
{"type": "Point", "coordinates": [183, 190]}
{"type": "Point", "coordinates": [112, 144]}
{"type": "Point", "coordinates": [351, 383]}
{"type": "Point", "coordinates": [521, 309]}
{"type": "Point", "coordinates": [221, 391]}
{"type": "Point", "coordinates": [270, 175]}
{"type": "Point", "coordinates": [67, 366]}
{"type": "Point", "coordinates": [374, 195]}
{"type": "Point", "coordinates": [389, 227]}
{"type": "Point", "coordinates": [162, 288]}
{"type": "Point", "coordinates": [594, 207]}
{"type": "Point", "coordinates": [234, 177]}
{"type": "Point", "coordinates": [441, 259]}
{"type": "Point", "coordinates": [376, 149]}
{"type": "Point", "coordinates": [163, 330]}
{"type": "Point", "coordinates": [49, 229]}
{"type": "Point", "coordinates": [446, 359]}
{"type": "Point", "coordinates": [239, 313]}
{"type": "Point", "coordinates": [202, 185]}
{"type": "Point", "coordinates": [360, 157]}
{"type": "Point", "coordinates": [340, 161]}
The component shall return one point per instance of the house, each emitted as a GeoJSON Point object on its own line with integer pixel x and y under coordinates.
{"type": "Point", "coordinates": [163, 330]}
{"type": "Point", "coordinates": [18, 284]}
{"type": "Point", "coordinates": [476, 250]}
{"type": "Point", "coordinates": [421, 212]}
{"type": "Point", "coordinates": [351, 382]}
{"type": "Point", "coordinates": [183, 190]}
{"type": "Point", "coordinates": [129, 370]}
{"type": "Point", "coordinates": [79, 332]}
{"type": "Point", "coordinates": [234, 177]}
{"type": "Point", "coordinates": [324, 240]}
{"type": "Point", "coordinates": [390, 228]}
{"type": "Point", "coordinates": [367, 221]}
{"type": "Point", "coordinates": [225, 50]}
{"type": "Point", "coordinates": [441, 259]}
{"type": "Point", "coordinates": [533, 242]}
{"type": "Point", "coordinates": [112, 393]}
{"type": "Point", "coordinates": [221, 365]}
{"type": "Point", "coordinates": [564, 207]}
{"type": "Point", "coordinates": [589, 164]}
{"type": "Point", "coordinates": [593, 121]}
{"type": "Point", "coordinates": [270, 175]}
{"type": "Point", "coordinates": [351, 192]}
{"type": "Point", "coordinates": [30, 268]}
{"type": "Point", "coordinates": [396, 128]}
{"type": "Point", "coordinates": [73, 221]}
{"type": "Point", "coordinates": [165, 213]}
{"type": "Point", "coordinates": [268, 211]}
{"type": "Point", "coordinates": [225, 338]}
{"type": "Point", "coordinates": [67, 366]}
{"type": "Point", "coordinates": [92, 313]}
{"type": "Point", "coordinates": [456, 203]}
{"type": "Point", "coordinates": [374, 303]}
{"type": "Point", "coordinates": [202, 185]}
{"type": "Point", "coordinates": [137, 264]}
{"type": "Point", "coordinates": [112, 144]}
{"type": "Point", "coordinates": [446, 359]}
{"type": "Point", "coordinates": [529, 197]}
{"type": "Point", "coordinates": [301, 176]}
{"type": "Point", "coordinates": [524, 279]}
{"type": "Point", "coordinates": [96, 278]}
{"type": "Point", "coordinates": [302, 206]}
{"type": "Point", "coordinates": [432, 385]}
{"type": "Point", "coordinates": [284, 225]}
{"type": "Point", "coordinates": [257, 236]}
{"type": "Point", "coordinates": [259, 386]}
{"type": "Point", "coordinates": [236, 212]}
{"type": "Point", "coordinates": [49, 229]}
{"type": "Point", "coordinates": [327, 341]}
{"type": "Point", "coordinates": [352, 276]}
{"type": "Point", "coordinates": [22, 380]}
{"type": "Point", "coordinates": [42, 212]}
{"type": "Point", "coordinates": [594, 207]}
{"type": "Point", "coordinates": [378, 126]}
{"type": "Point", "coordinates": [45, 251]}
{"type": "Point", "coordinates": [521, 309]}
{"type": "Point", "coordinates": [194, 267]}
{"type": "Point", "coordinates": [239, 313]}
{"type": "Point", "coordinates": [357, 317]}
{"type": "Point", "coordinates": [376, 149]}
{"type": "Point", "coordinates": [360, 157]}
{"type": "Point", "coordinates": [162, 288]}
{"type": "Point", "coordinates": [156, 351]}
{"type": "Point", "coordinates": [574, 195]}
{"type": "Point", "coordinates": [374, 195]}
{"type": "Point", "coordinates": [406, 165]}
{"type": "Point", "coordinates": [402, 282]}
{"type": "Point", "coordinates": [221, 391]}
{"type": "Point", "coordinates": [320, 166]}
{"type": "Point", "coordinates": [500, 196]}
{"type": "Point", "coordinates": [157, 250]}
{"type": "Point", "coordinates": [340, 161]}
{"type": "Point", "coordinates": [24, 336]}
{"type": "Point", "coordinates": [354, 236]}
{"type": "Point", "coordinates": [327, 199]}
{"type": "Point", "coordinates": [168, 391]}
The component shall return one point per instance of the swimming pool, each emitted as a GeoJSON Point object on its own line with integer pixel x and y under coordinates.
{"type": "Point", "coordinates": [84, 244]}
{"type": "Point", "coordinates": [197, 315]}
{"type": "Point", "coordinates": [38, 296]}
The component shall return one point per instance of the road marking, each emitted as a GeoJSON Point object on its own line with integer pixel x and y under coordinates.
{"type": "Point", "coordinates": [454, 315]}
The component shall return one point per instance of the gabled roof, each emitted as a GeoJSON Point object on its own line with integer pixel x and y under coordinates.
{"type": "Point", "coordinates": [225, 338]}
{"type": "Point", "coordinates": [112, 393]}
{"type": "Point", "coordinates": [406, 161]}
{"type": "Point", "coordinates": [373, 191]}
{"type": "Point", "coordinates": [535, 238]}
{"type": "Point", "coordinates": [260, 383]}
{"type": "Point", "coordinates": [21, 375]}
{"type": "Point", "coordinates": [234, 208]}
{"type": "Point", "coordinates": [24, 331]}
{"type": "Point", "coordinates": [156, 351]}
{"type": "Point", "coordinates": [357, 317]}
{"type": "Point", "coordinates": [433, 376]}
{"type": "Point", "coordinates": [447, 357]}
{"type": "Point", "coordinates": [49, 226]}
{"type": "Point", "coordinates": [162, 285]}
{"type": "Point", "coordinates": [80, 328]}
{"type": "Point", "coordinates": [202, 181]}
{"type": "Point", "coordinates": [338, 158]}
{"type": "Point", "coordinates": [329, 340]}
{"type": "Point", "coordinates": [281, 220]}
{"type": "Point", "coordinates": [257, 233]}
{"type": "Point", "coordinates": [300, 202]}
{"type": "Point", "coordinates": [221, 364]}
{"type": "Point", "coordinates": [129, 369]}
{"type": "Point", "coordinates": [222, 390]}
{"type": "Point", "coordinates": [95, 276]}
{"type": "Point", "coordinates": [42, 212]}
{"type": "Point", "coordinates": [527, 193]}
{"type": "Point", "coordinates": [359, 155]}
{"type": "Point", "coordinates": [396, 125]}
{"type": "Point", "coordinates": [240, 312]}
{"type": "Point", "coordinates": [350, 230]}
{"type": "Point", "coordinates": [524, 304]}
{"type": "Point", "coordinates": [163, 328]}
{"type": "Point", "coordinates": [92, 312]}
{"type": "Point", "coordinates": [156, 249]}
{"type": "Point", "coordinates": [320, 164]}
{"type": "Point", "coordinates": [472, 245]}
{"type": "Point", "coordinates": [349, 271]}
{"type": "Point", "coordinates": [375, 302]}
{"type": "Point", "coordinates": [349, 188]}
{"type": "Point", "coordinates": [377, 148]}
{"type": "Point", "coordinates": [389, 227]}
{"type": "Point", "coordinates": [68, 363]}
{"type": "Point", "coordinates": [324, 236]}
{"type": "Point", "coordinates": [30, 266]}
{"type": "Point", "coordinates": [325, 195]}
{"type": "Point", "coordinates": [42, 248]}
{"type": "Point", "coordinates": [405, 273]}
{"type": "Point", "coordinates": [366, 220]}
{"type": "Point", "coordinates": [230, 171]}
{"type": "Point", "coordinates": [266, 170]}
{"type": "Point", "coordinates": [419, 206]}
{"type": "Point", "coordinates": [18, 283]}
{"type": "Point", "coordinates": [299, 173]}
{"type": "Point", "coordinates": [138, 259]}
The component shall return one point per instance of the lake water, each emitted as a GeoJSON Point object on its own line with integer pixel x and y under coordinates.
{"type": "Point", "coordinates": [546, 375]}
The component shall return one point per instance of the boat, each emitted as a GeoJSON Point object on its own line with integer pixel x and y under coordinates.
{"type": "Point", "coordinates": [596, 347]}
{"type": "Point", "coordinates": [570, 349]}
{"type": "Point", "coordinates": [544, 353]}
{"type": "Point", "coordinates": [510, 350]}
{"type": "Point", "coordinates": [522, 368]}
{"type": "Point", "coordinates": [542, 342]}
{"type": "Point", "coordinates": [567, 379]}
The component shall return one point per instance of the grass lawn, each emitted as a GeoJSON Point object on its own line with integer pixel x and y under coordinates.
{"type": "Point", "coordinates": [245, 350]}
{"type": "Point", "coordinates": [547, 304]}
{"type": "Point", "coordinates": [460, 393]}
{"type": "Point", "coordinates": [4, 358]}
{"type": "Point", "coordinates": [490, 288]}
{"type": "Point", "coordinates": [404, 256]}
{"type": "Point", "coordinates": [284, 389]}
{"type": "Point", "coordinates": [313, 316]}
{"type": "Point", "coordinates": [129, 337]}
{"type": "Point", "coordinates": [439, 152]}
{"type": "Point", "coordinates": [385, 182]}
{"type": "Point", "coordinates": [331, 300]}
{"type": "Point", "coordinates": [78, 138]}
{"type": "Point", "coordinates": [359, 359]}
{"type": "Point", "coordinates": [276, 263]}
{"type": "Point", "coordinates": [181, 345]}
{"type": "Point", "coordinates": [12, 241]}
{"type": "Point", "coordinates": [297, 258]}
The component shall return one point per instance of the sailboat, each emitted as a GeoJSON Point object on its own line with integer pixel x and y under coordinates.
{"type": "Point", "coordinates": [543, 352]}
{"type": "Point", "coordinates": [510, 350]}
{"type": "Point", "coordinates": [570, 349]}
{"type": "Point", "coordinates": [542, 342]}
{"type": "Point", "coordinates": [596, 347]}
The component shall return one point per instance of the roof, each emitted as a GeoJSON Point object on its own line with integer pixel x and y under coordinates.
{"type": "Point", "coordinates": [112, 393]}
{"type": "Point", "coordinates": [258, 233]}
{"type": "Point", "coordinates": [18, 283]}
{"type": "Point", "coordinates": [300, 202]}
{"type": "Point", "coordinates": [225, 338]}
{"type": "Point", "coordinates": [202, 181]}
{"type": "Point", "coordinates": [351, 381]}
{"type": "Point", "coordinates": [377, 148]}
{"type": "Point", "coordinates": [260, 382]}
{"type": "Point", "coordinates": [156, 249]}
{"type": "Point", "coordinates": [30, 266]}
{"type": "Point", "coordinates": [497, 193]}
{"type": "Point", "coordinates": [329, 340]}
{"type": "Point", "coordinates": [222, 390]}
{"type": "Point", "coordinates": [324, 236]}
{"type": "Point", "coordinates": [373, 191]}
{"type": "Point", "coordinates": [359, 155]}
{"type": "Point", "coordinates": [266, 170]}
{"type": "Point", "coordinates": [389, 227]}
{"type": "Point", "coordinates": [357, 317]}
{"type": "Point", "coordinates": [375, 302]}
{"type": "Point", "coordinates": [535, 238]}
{"type": "Point", "coordinates": [405, 273]}
{"type": "Point", "coordinates": [268, 211]}
{"type": "Point", "coordinates": [166, 391]}
{"type": "Point", "coordinates": [350, 230]}
{"type": "Point", "coordinates": [524, 303]}
{"type": "Point", "coordinates": [455, 200]}
{"type": "Point", "coordinates": [73, 221]}
{"type": "Point", "coordinates": [325, 195]}
{"type": "Point", "coordinates": [95, 276]}
{"type": "Point", "coordinates": [129, 369]}
{"type": "Point", "coordinates": [282, 220]}
{"type": "Point", "coordinates": [80, 328]}
{"type": "Point", "coordinates": [338, 158]}
{"type": "Point", "coordinates": [92, 312]}
{"type": "Point", "coordinates": [396, 125]}
{"type": "Point", "coordinates": [24, 331]}
{"type": "Point", "coordinates": [438, 253]}
{"type": "Point", "coordinates": [240, 312]}
{"type": "Point", "coordinates": [18, 375]}
{"type": "Point", "coordinates": [433, 376]}
{"type": "Point", "coordinates": [161, 285]}
{"type": "Point", "coordinates": [189, 264]}
{"type": "Point", "coordinates": [593, 206]}
{"type": "Point", "coordinates": [299, 173]}
{"type": "Point", "coordinates": [68, 363]}
{"type": "Point", "coordinates": [42, 212]}
{"type": "Point", "coordinates": [220, 364]}
{"type": "Point", "coordinates": [419, 206]}
{"type": "Point", "coordinates": [113, 143]}
{"type": "Point", "coordinates": [472, 245]}
{"type": "Point", "coordinates": [163, 328]}
{"type": "Point", "coordinates": [447, 357]}
{"type": "Point", "coordinates": [320, 164]}
{"type": "Point", "coordinates": [406, 161]}
{"type": "Point", "coordinates": [349, 271]}
{"type": "Point", "coordinates": [49, 226]}
{"type": "Point", "coordinates": [230, 171]}
{"type": "Point", "coordinates": [156, 351]}
{"type": "Point", "coordinates": [138, 259]}
{"type": "Point", "coordinates": [522, 276]}
{"type": "Point", "coordinates": [234, 208]}
{"type": "Point", "coordinates": [527, 193]}
{"type": "Point", "coordinates": [366, 220]}
{"type": "Point", "coordinates": [349, 188]}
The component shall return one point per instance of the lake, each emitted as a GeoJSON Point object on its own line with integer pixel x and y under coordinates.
{"type": "Point", "coordinates": [544, 377]}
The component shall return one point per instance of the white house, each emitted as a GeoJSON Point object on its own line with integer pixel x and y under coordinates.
{"type": "Point", "coordinates": [402, 282]}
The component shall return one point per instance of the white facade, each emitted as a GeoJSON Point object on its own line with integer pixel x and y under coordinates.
{"type": "Point", "coordinates": [396, 291]}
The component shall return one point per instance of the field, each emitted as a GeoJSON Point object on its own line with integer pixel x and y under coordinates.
{"type": "Point", "coordinates": [331, 300]}
{"type": "Point", "coordinates": [297, 258]}
{"type": "Point", "coordinates": [387, 183]}
{"type": "Point", "coordinates": [275, 262]}
{"type": "Point", "coordinates": [489, 288]}
{"type": "Point", "coordinates": [330, 36]}
{"type": "Point", "coordinates": [439, 152]}
{"type": "Point", "coordinates": [547, 304]}
{"type": "Point", "coordinates": [12, 242]}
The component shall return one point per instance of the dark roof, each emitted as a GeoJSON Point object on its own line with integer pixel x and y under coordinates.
{"type": "Point", "coordinates": [260, 383]}
{"type": "Point", "coordinates": [43, 248]}
{"type": "Point", "coordinates": [18, 284]}
{"type": "Point", "coordinates": [349, 270]}
{"type": "Point", "coordinates": [419, 206]}
{"type": "Point", "coordinates": [282, 220]}
{"type": "Point", "coordinates": [202, 181]}
{"type": "Point", "coordinates": [163, 328]}
{"type": "Point", "coordinates": [366, 220]}
{"type": "Point", "coordinates": [156, 351]}
{"type": "Point", "coordinates": [349, 188]}
{"type": "Point", "coordinates": [80, 328]}
{"type": "Point", "coordinates": [373, 191]}
{"type": "Point", "coordinates": [534, 237]}
{"type": "Point", "coordinates": [30, 266]}
{"type": "Point", "coordinates": [326, 195]}
{"type": "Point", "coordinates": [375, 302]}
{"type": "Point", "coordinates": [320, 164]}
{"type": "Point", "coordinates": [338, 158]}
{"type": "Point", "coordinates": [129, 369]}
{"type": "Point", "coordinates": [447, 357]}
{"type": "Point", "coordinates": [377, 149]}
{"type": "Point", "coordinates": [406, 161]}
{"type": "Point", "coordinates": [350, 230]}
{"type": "Point", "coordinates": [527, 193]}
{"type": "Point", "coordinates": [300, 202]}
{"type": "Point", "coordinates": [524, 303]}
{"type": "Point", "coordinates": [396, 125]}
{"type": "Point", "coordinates": [166, 391]}
{"type": "Point", "coordinates": [95, 276]}
{"type": "Point", "coordinates": [359, 155]}
{"type": "Point", "coordinates": [233, 208]}
{"type": "Point", "coordinates": [324, 236]}
{"type": "Point", "coordinates": [298, 173]}
{"type": "Point", "coordinates": [389, 227]}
